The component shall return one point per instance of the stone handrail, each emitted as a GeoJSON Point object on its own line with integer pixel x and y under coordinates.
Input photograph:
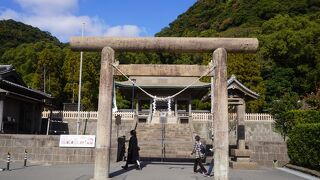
{"type": "Point", "coordinates": [130, 115]}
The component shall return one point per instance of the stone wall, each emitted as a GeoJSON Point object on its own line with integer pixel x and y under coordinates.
{"type": "Point", "coordinates": [45, 149]}
{"type": "Point", "coordinates": [266, 152]}
{"type": "Point", "coordinates": [42, 149]}
{"type": "Point", "coordinates": [89, 127]}
{"type": "Point", "coordinates": [266, 145]}
{"type": "Point", "coordinates": [85, 127]}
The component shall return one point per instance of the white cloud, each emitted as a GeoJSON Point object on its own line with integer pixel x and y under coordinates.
{"type": "Point", "coordinates": [126, 30]}
{"type": "Point", "coordinates": [57, 17]}
{"type": "Point", "coordinates": [66, 26]}
{"type": "Point", "coordinates": [9, 14]}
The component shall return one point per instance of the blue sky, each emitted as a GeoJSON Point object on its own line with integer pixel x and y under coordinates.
{"type": "Point", "coordinates": [64, 18]}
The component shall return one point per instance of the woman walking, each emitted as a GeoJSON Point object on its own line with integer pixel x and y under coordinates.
{"type": "Point", "coordinates": [133, 151]}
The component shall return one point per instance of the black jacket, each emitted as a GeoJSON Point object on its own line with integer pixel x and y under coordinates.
{"type": "Point", "coordinates": [133, 149]}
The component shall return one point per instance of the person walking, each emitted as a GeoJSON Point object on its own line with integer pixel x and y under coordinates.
{"type": "Point", "coordinates": [198, 156]}
{"type": "Point", "coordinates": [208, 174]}
{"type": "Point", "coordinates": [133, 151]}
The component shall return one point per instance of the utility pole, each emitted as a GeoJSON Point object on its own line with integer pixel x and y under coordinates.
{"type": "Point", "coordinates": [44, 79]}
{"type": "Point", "coordinates": [80, 74]}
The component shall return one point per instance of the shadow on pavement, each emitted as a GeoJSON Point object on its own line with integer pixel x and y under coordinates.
{"type": "Point", "coordinates": [146, 163]}
{"type": "Point", "coordinates": [130, 168]}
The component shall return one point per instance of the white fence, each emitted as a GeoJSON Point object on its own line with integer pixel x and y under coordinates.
{"type": "Point", "coordinates": [201, 116]}
{"type": "Point", "coordinates": [130, 115]}
{"type": "Point", "coordinates": [258, 117]}
{"type": "Point", "coordinates": [233, 117]}
{"type": "Point", "coordinates": [84, 115]}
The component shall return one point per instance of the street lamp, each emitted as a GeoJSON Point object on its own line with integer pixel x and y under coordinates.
{"type": "Point", "coordinates": [132, 101]}
{"type": "Point", "coordinates": [80, 74]}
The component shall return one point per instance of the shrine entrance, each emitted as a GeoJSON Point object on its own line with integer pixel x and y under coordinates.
{"type": "Point", "coordinates": [164, 95]}
{"type": "Point", "coordinates": [219, 47]}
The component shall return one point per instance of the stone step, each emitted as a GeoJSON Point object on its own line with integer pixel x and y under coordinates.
{"type": "Point", "coordinates": [178, 140]}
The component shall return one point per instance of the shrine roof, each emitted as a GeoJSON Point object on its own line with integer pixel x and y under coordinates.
{"type": "Point", "coordinates": [10, 81]}
{"type": "Point", "coordinates": [233, 83]}
{"type": "Point", "coordinates": [182, 82]}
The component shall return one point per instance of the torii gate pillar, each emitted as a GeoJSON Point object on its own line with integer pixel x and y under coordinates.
{"type": "Point", "coordinates": [220, 110]}
{"type": "Point", "coordinates": [103, 143]}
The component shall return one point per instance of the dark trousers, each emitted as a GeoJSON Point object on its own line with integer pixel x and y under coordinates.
{"type": "Point", "coordinates": [197, 162]}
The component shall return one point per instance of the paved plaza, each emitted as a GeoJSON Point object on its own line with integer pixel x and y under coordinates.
{"type": "Point", "coordinates": [150, 171]}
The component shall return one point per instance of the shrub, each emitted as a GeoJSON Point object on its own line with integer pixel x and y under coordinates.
{"type": "Point", "coordinates": [288, 102]}
{"type": "Point", "coordinates": [304, 145]}
{"type": "Point", "coordinates": [295, 117]}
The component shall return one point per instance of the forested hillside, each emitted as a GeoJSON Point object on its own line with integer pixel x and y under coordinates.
{"type": "Point", "coordinates": [44, 62]}
{"type": "Point", "coordinates": [284, 70]}
{"type": "Point", "coordinates": [287, 65]}
{"type": "Point", "coordinates": [14, 33]}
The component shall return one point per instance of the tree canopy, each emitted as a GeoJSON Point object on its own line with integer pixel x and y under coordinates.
{"type": "Point", "coordinates": [287, 64]}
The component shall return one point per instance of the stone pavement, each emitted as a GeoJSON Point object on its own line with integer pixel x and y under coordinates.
{"type": "Point", "coordinates": [151, 170]}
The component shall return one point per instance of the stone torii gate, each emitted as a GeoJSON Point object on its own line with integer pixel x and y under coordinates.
{"type": "Point", "coordinates": [219, 47]}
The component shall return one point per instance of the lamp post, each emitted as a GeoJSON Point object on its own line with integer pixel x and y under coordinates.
{"type": "Point", "coordinates": [79, 94]}
{"type": "Point", "coordinates": [132, 101]}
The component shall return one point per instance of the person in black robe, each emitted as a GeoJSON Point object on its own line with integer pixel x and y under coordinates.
{"type": "Point", "coordinates": [133, 151]}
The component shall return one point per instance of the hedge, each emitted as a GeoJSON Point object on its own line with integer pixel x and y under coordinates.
{"type": "Point", "coordinates": [304, 145]}
{"type": "Point", "coordinates": [295, 117]}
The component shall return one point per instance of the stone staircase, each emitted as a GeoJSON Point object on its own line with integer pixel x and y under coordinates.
{"type": "Point", "coordinates": [165, 141]}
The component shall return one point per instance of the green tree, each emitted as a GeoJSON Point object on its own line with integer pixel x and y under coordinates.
{"type": "Point", "coordinates": [122, 103]}
{"type": "Point", "coordinates": [279, 107]}
{"type": "Point", "coordinates": [201, 105]}
{"type": "Point", "coordinates": [51, 79]}
{"type": "Point", "coordinates": [91, 75]}
{"type": "Point", "coordinates": [13, 34]}
{"type": "Point", "coordinates": [247, 70]}
{"type": "Point", "coordinates": [290, 44]}
{"type": "Point", "coordinates": [22, 58]}
{"type": "Point", "coordinates": [71, 71]}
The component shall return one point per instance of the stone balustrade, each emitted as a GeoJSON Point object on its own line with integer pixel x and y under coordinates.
{"type": "Point", "coordinates": [201, 116]}
{"type": "Point", "coordinates": [196, 116]}
{"type": "Point", "coordinates": [92, 115]}
{"type": "Point", "coordinates": [258, 117]}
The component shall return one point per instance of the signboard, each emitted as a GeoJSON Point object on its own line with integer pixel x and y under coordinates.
{"type": "Point", "coordinates": [77, 141]}
{"type": "Point", "coordinates": [241, 132]}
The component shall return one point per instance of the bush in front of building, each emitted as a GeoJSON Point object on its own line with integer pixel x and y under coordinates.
{"type": "Point", "coordinates": [304, 145]}
{"type": "Point", "coordinates": [295, 117]}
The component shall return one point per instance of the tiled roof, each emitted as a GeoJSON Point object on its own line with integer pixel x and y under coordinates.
{"type": "Point", "coordinates": [181, 82]}
{"type": "Point", "coordinates": [233, 83]}
{"type": "Point", "coordinates": [10, 81]}
{"type": "Point", "coordinates": [7, 85]}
